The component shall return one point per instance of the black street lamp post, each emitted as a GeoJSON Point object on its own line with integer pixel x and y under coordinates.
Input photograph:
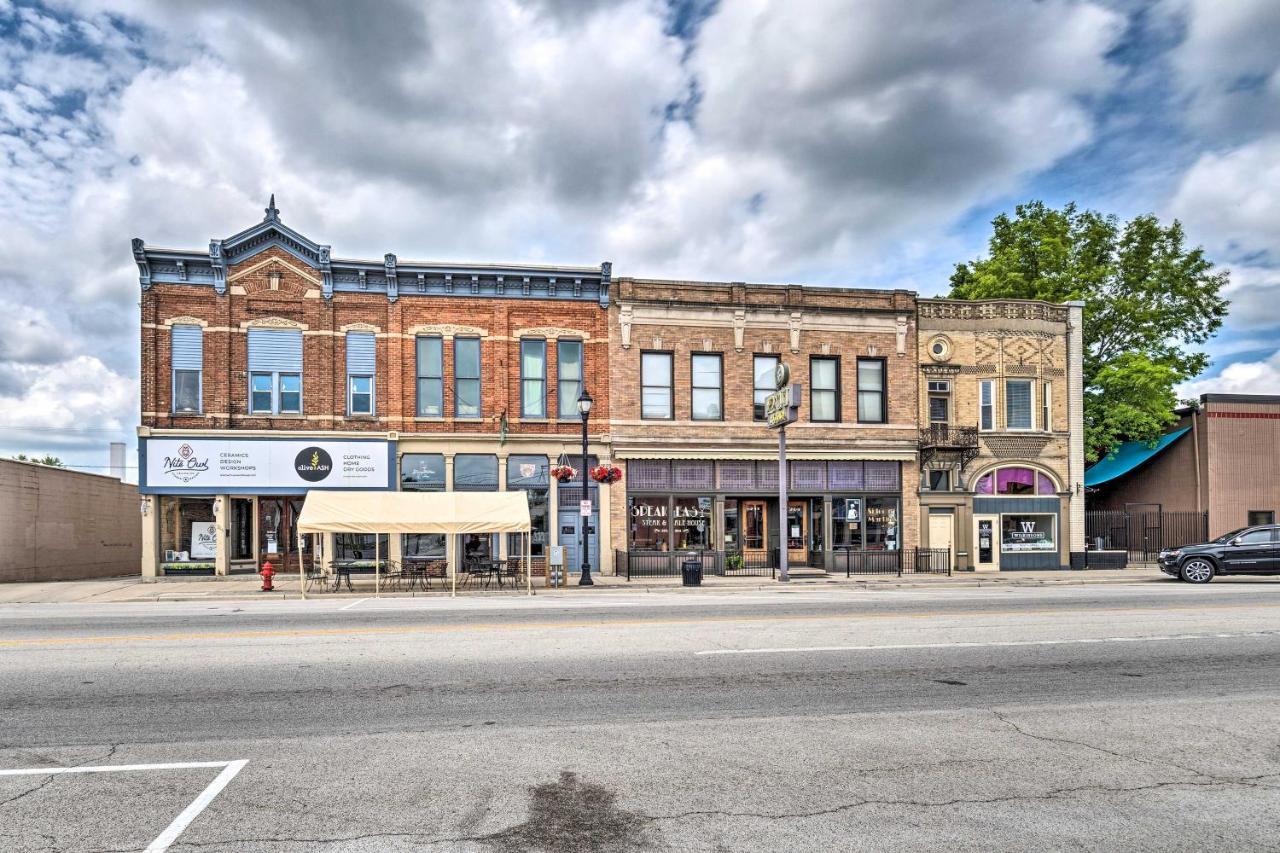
{"type": "Point", "coordinates": [584, 409]}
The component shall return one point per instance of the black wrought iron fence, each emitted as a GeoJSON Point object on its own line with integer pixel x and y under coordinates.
{"type": "Point", "coordinates": [1143, 534]}
{"type": "Point", "coordinates": [667, 564]}
{"type": "Point", "coordinates": [931, 561]}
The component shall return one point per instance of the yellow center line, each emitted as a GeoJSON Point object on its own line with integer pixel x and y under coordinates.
{"type": "Point", "coordinates": [623, 623]}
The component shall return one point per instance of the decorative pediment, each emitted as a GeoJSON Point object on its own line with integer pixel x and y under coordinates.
{"type": "Point", "coordinates": [448, 330]}
{"type": "Point", "coordinates": [274, 262]}
{"type": "Point", "coordinates": [359, 327]}
{"type": "Point", "coordinates": [551, 333]}
{"type": "Point", "coordinates": [272, 323]}
{"type": "Point", "coordinates": [271, 232]}
{"type": "Point", "coordinates": [186, 320]}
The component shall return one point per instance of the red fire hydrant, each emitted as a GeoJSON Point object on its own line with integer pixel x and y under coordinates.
{"type": "Point", "coordinates": [267, 574]}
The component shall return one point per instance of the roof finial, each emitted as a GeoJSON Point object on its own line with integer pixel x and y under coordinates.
{"type": "Point", "coordinates": [273, 215]}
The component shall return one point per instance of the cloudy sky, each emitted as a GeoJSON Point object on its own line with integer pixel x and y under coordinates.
{"type": "Point", "coordinates": [850, 142]}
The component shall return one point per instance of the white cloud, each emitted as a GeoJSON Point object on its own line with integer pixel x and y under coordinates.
{"type": "Point", "coordinates": [1243, 377]}
{"type": "Point", "coordinates": [1232, 198]}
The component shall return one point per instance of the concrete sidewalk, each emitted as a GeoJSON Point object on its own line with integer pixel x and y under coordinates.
{"type": "Point", "coordinates": [243, 587]}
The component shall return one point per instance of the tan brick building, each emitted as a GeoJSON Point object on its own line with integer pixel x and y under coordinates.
{"type": "Point", "coordinates": [265, 349]}
{"type": "Point", "coordinates": [690, 365]}
{"type": "Point", "coordinates": [1001, 432]}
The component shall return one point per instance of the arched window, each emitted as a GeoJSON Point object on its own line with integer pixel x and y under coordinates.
{"type": "Point", "coordinates": [1015, 481]}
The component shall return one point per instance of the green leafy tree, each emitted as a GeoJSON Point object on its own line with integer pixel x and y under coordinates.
{"type": "Point", "coordinates": [1149, 301]}
{"type": "Point", "coordinates": [51, 461]}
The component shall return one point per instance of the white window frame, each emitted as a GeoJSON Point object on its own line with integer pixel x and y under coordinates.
{"type": "Point", "coordinates": [419, 377]}
{"type": "Point", "coordinates": [351, 395]}
{"type": "Point", "coordinates": [276, 393]}
{"type": "Point", "coordinates": [173, 392]}
{"type": "Point", "coordinates": [525, 411]}
{"type": "Point", "coordinates": [1031, 391]}
{"type": "Point", "coordinates": [987, 388]}
{"type": "Point", "coordinates": [1046, 406]}
{"type": "Point", "coordinates": [458, 380]}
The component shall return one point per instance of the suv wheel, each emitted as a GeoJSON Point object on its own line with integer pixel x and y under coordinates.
{"type": "Point", "coordinates": [1197, 570]}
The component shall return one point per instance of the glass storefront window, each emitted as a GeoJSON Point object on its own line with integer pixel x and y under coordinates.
{"type": "Point", "coordinates": [531, 475]}
{"type": "Point", "coordinates": [358, 546]}
{"type": "Point", "coordinates": [691, 523]}
{"type": "Point", "coordinates": [846, 523]}
{"type": "Point", "coordinates": [795, 526]}
{"type": "Point", "coordinates": [241, 529]}
{"type": "Point", "coordinates": [188, 531]}
{"type": "Point", "coordinates": [1015, 481]}
{"type": "Point", "coordinates": [650, 530]}
{"type": "Point", "coordinates": [422, 472]}
{"type": "Point", "coordinates": [475, 472]}
{"type": "Point", "coordinates": [1023, 532]}
{"type": "Point", "coordinates": [882, 524]}
{"type": "Point", "coordinates": [731, 529]}
{"type": "Point", "coordinates": [423, 546]}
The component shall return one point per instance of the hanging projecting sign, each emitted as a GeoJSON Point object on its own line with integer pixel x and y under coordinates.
{"type": "Point", "coordinates": [236, 465]}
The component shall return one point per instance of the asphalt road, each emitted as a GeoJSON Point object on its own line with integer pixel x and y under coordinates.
{"type": "Point", "coordinates": [1116, 717]}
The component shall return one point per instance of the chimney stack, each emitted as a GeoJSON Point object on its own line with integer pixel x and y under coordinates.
{"type": "Point", "coordinates": [117, 459]}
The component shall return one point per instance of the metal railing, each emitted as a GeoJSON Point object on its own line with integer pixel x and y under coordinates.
{"type": "Point", "coordinates": [667, 564]}
{"type": "Point", "coordinates": [1143, 534]}
{"type": "Point", "coordinates": [948, 436]}
{"type": "Point", "coordinates": [917, 561]}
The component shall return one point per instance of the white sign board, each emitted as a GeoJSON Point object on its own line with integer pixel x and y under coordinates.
{"type": "Point", "coordinates": [584, 508]}
{"type": "Point", "coordinates": [204, 540]}
{"type": "Point", "coordinates": [210, 464]}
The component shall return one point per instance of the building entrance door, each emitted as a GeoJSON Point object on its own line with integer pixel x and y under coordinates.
{"type": "Point", "coordinates": [276, 518]}
{"type": "Point", "coordinates": [986, 543]}
{"type": "Point", "coordinates": [941, 534]}
{"type": "Point", "coordinates": [797, 533]}
{"type": "Point", "coordinates": [755, 531]}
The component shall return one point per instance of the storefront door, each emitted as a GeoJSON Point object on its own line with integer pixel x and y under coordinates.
{"type": "Point", "coordinates": [797, 533]}
{"type": "Point", "coordinates": [276, 517]}
{"type": "Point", "coordinates": [986, 543]}
{"type": "Point", "coordinates": [755, 531]}
{"type": "Point", "coordinates": [941, 533]}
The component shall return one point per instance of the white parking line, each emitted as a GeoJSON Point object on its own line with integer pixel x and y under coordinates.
{"type": "Point", "coordinates": [980, 645]}
{"type": "Point", "coordinates": [182, 821]}
{"type": "Point", "coordinates": [353, 604]}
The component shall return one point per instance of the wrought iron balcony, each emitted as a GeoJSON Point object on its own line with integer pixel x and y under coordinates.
{"type": "Point", "coordinates": [960, 441]}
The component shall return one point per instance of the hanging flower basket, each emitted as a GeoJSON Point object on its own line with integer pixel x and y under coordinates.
{"type": "Point", "coordinates": [563, 473]}
{"type": "Point", "coordinates": [606, 473]}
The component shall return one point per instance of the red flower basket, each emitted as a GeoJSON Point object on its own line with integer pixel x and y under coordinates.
{"type": "Point", "coordinates": [606, 473]}
{"type": "Point", "coordinates": [563, 473]}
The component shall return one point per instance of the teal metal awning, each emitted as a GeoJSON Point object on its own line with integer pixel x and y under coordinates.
{"type": "Point", "coordinates": [1128, 456]}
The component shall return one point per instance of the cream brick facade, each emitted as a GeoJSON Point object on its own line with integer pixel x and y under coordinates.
{"type": "Point", "coordinates": [993, 343]}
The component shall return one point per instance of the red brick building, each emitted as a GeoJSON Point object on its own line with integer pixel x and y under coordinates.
{"type": "Point", "coordinates": [402, 375]}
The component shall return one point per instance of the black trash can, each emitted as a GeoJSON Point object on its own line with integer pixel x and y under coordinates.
{"type": "Point", "coordinates": [691, 572]}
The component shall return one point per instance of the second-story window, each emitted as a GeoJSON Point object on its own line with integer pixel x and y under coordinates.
{"type": "Point", "coordinates": [1046, 406]}
{"type": "Point", "coordinates": [871, 388]}
{"type": "Point", "coordinates": [361, 365]}
{"type": "Point", "coordinates": [987, 404]}
{"type": "Point", "coordinates": [533, 378]}
{"type": "Point", "coordinates": [187, 355]}
{"type": "Point", "coordinates": [568, 377]}
{"type": "Point", "coordinates": [656, 379]}
{"type": "Point", "coordinates": [430, 373]}
{"type": "Point", "coordinates": [466, 377]}
{"type": "Point", "coordinates": [762, 367]}
{"type": "Point", "coordinates": [824, 389]}
{"type": "Point", "coordinates": [1018, 407]}
{"type": "Point", "coordinates": [707, 386]}
{"type": "Point", "coordinates": [275, 371]}
{"type": "Point", "coordinates": [939, 401]}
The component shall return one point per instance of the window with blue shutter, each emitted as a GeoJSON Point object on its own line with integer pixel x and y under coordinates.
{"type": "Point", "coordinates": [275, 371]}
{"type": "Point", "coordinates": [362, 357]}
{"type": "Point", "coordinates": [187, 357]}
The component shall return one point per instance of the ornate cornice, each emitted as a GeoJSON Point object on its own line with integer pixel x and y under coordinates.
{"type": "Point", "coordinates": [447, 330]}
{"type": "Point", "coordinates": [992, 309]}
{"type": "Point", "coordinates": [272, 323]}
{"type": "Point", "coordinates": [186, 320]}
{"type": "Point", "coordinates": [551, 333]}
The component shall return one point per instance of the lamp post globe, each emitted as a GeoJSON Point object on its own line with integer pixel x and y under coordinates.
{"type": "Point", "coordinates": [584, 409]}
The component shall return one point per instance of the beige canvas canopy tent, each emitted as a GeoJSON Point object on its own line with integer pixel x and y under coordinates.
{"type": "Point", "coordinates": [450, 513]}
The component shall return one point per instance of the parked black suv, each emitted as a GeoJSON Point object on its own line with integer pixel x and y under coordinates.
{"type": "Point", "coordinates": [1247, 551]}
